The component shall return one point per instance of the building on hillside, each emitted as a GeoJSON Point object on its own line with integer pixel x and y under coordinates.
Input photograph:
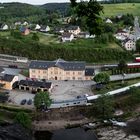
{"type": "Point", "coordinates": [45, 29]}
{"type": "Point", "coordinates": [35, 86]}
{"type": "Point", "coordinates": [67, 37]}
{"type": "Point", "coordinates": [17, 23]}
{"type": "Point", "coordinates": [37, 27]}
{"type": "Point", "coordinates": [108, 21]}
{"type": "Point", "coordinates": [58, 70]}
{"type": "Point", "coordinates": [75, 30]}
{"type": "Point", "coordinates": [84, 35]}
{"type": "Point", "coordinates": [122, 33]}
{"type": "Point", "coordinates": [129, 45]}
{"type": "Point", "coordinates": [7, 81]}
{"type": "Point", "coordinates": [4, 27]}
{"type": "Point", "coordinates": [24, 31]}
{"type": "Point", "coordinates": [25, 23]}
{"type": "Point", "coordinates": [59, 30]}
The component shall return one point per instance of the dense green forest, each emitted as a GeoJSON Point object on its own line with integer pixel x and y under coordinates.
{"type": "Point", "coordinates": [10, 12]}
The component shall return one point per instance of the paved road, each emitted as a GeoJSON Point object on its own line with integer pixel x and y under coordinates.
{"type": "Point", "coordinates": [127, 76]}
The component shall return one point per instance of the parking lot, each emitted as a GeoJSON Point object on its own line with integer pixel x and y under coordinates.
{"type": "Point", "coordinates": [65, 90]}
{"type": "Point", "coordinates": [62, 90]}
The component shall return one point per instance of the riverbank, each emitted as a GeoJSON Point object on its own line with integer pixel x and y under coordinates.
{"type": "Point", "coordinates": [58, 124]}
{"type": "Point", "coordinates": [131, 132]}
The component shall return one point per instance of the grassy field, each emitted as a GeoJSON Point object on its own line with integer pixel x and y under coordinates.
{"type": "Point", "coordinates": [124, 8]}
{"type": "Point", "coordinates": [50, 39]}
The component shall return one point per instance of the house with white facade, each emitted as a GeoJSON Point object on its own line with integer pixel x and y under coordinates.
{"type": "Point", "coordinates": [67, 37]}
{"type": "Point", "coordinates": [37, 27]}
{"type": "Point", "coordinates": [108, 21]}
{"type": "Point", "coordinates": [129, 45]}
{"type": "Point", "coordinates": [45, 29]}
{"type": "Point", "coordinates": [4, 27]}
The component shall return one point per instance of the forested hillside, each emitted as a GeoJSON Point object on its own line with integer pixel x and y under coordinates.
{"type": "Point", "coordinates": [19, 11]}
{"type": "Point", "coordinates": [63, 8]}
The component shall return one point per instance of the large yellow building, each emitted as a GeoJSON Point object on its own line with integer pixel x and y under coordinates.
{"type": "Point", "coordinates": [60, 70]}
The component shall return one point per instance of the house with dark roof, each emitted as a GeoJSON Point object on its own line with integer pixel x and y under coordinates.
{"type": "Point", "coordinates": [44, 28]}
{"type": "Point", "coordinates": [24, 30]}
{"type": "Point", "coordinates": [57, 70]}
{"type": "Point", "coordinates": [75, 30]}
{"type": "Point", "coordinates": [4, 27]}
{"type": "Point", "coordinates": [7, 81]}
{"type": "Point", "coordinates": [89, 73]}
{"type": "Point", "coordinates": [34, 85]}
{"type": "Point", "coordinates": [67, 37]}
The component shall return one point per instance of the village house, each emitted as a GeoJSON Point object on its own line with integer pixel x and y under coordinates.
{"type": "Point", "coordinates": [129, 44]}
{"type": "Point", "coordinates": [35, 86]}
{"type": "Point", "coordinates": [59, 30]}
{"type": "Point", "coordinates": [122, 33]}
{"type": "Point", "coordinates": [4, 27]}
{"type": "Point", "coordinates": [17, 23]}
{"type": "Point", "coordinates": [59, 70]}
{"type": "Point", "coordinates": [67, 37]}
{"type": "Point", "coordinates": [84, 35]}
{"type": "Point", "coordinates": [44, 29]}
{"type": "Point", "coordinates": [7, 81]}
{"type": "Point", "coordinates": [24, 31]}
{"type": "Point", "coordinates": [108, 21]}
{"type": "Point", "coordinates": [37, 27]}
{"type": "Point", "coordinates": [75, 30]}
{"type": "Point", "coordinates": [25, 23]}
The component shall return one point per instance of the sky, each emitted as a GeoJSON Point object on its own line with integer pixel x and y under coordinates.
{"type": "Point", "coordinates": [35, 2]}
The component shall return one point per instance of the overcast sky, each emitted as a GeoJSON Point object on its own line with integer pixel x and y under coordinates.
{"type": "Point", "coordinates": [35, 2]}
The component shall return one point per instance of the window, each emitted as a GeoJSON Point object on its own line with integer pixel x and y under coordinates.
{"type": "Point", "coordinates": [39, 71]}
{"type": "Point", "coordinates": [44, 71]}
{"type": "Point", "coordinates": [73, 73]}
{"type": "Point", "coordinates": [33, 71]}
{"type": "Point", "coordinates": [73, 78]}
{"type": "Point", "coordinates": [67, 73]}
{"type": "Point", "coordinates": [79, 73]}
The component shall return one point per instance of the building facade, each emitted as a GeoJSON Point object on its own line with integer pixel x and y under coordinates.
{"type": "Point", "coordinates": [58, 70]}
{"type": "Point", "coordinates": [129, 45]}
{"type": "Point", "coordinates": [7, 81]}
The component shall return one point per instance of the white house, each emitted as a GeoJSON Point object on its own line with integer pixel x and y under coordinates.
{"type": "Point", "coordinates": [108, 21]}
{"type": "Point", "coordinates": [25, 23]}
{"type": "Point", "coordinates": [129, 44]}
{"type": "Point", "coordinates": [67, 37]}
{"type": "Point", "coordinates": [4, 27]}
{"type": "Point", "coordinates": [37, 27]}
{"type": "Point", "coordinates": [17, 23]}
{"type": "Point", "coordinates": [44, 29]}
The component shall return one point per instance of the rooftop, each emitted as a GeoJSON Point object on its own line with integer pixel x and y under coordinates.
{"type": "Point", "coordinates": [60, 63]}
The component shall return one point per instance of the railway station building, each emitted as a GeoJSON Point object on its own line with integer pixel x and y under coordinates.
{"type": "Point", "coordinates": [60, 70]}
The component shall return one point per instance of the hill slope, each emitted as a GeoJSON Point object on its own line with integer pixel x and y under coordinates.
{"type": "Point", "coordinates": [19, 10]}
{"type": "Point", "coordinates": [122, 8]}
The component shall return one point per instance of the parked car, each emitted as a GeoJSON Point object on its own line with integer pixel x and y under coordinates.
{"type": "Point", "coordinates": [29, 102]}
{"type": "Point", "coordinates": [23, 102]}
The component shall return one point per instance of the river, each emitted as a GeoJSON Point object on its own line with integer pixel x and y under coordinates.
{"type": "Point", "coordinates": [66, 134]}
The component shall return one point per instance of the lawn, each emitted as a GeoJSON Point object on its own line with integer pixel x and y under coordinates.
{"type": "Point", "coordinates": [123, 8]}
